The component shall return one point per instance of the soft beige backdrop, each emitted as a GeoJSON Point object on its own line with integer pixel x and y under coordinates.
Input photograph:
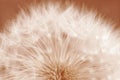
{"type": "Point", "coordinates": [109, 8]}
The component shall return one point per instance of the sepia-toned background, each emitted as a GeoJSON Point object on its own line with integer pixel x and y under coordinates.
{"type": "Point", "coordinates": [110, 9]}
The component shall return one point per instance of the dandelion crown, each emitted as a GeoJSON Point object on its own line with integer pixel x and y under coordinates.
{"type": "Point", "coordinates": [54, 44]}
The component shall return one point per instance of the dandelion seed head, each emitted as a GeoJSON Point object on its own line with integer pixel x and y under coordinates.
{"type": "Point", "coordinates": [56, 44]}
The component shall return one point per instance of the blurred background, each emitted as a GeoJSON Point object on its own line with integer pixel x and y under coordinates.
{"type": "Point", "coordinates": [110, 9]}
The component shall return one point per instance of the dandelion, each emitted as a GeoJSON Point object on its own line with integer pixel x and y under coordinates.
{"type": "Point", "coordinates": [55, 44]}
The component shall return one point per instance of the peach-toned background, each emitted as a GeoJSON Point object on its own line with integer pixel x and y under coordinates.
{"type": "Point", "coordinates": [109, 8]}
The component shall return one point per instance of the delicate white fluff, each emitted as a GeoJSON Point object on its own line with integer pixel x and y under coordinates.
{"type": "Point", "coordinates": [54, 44]}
